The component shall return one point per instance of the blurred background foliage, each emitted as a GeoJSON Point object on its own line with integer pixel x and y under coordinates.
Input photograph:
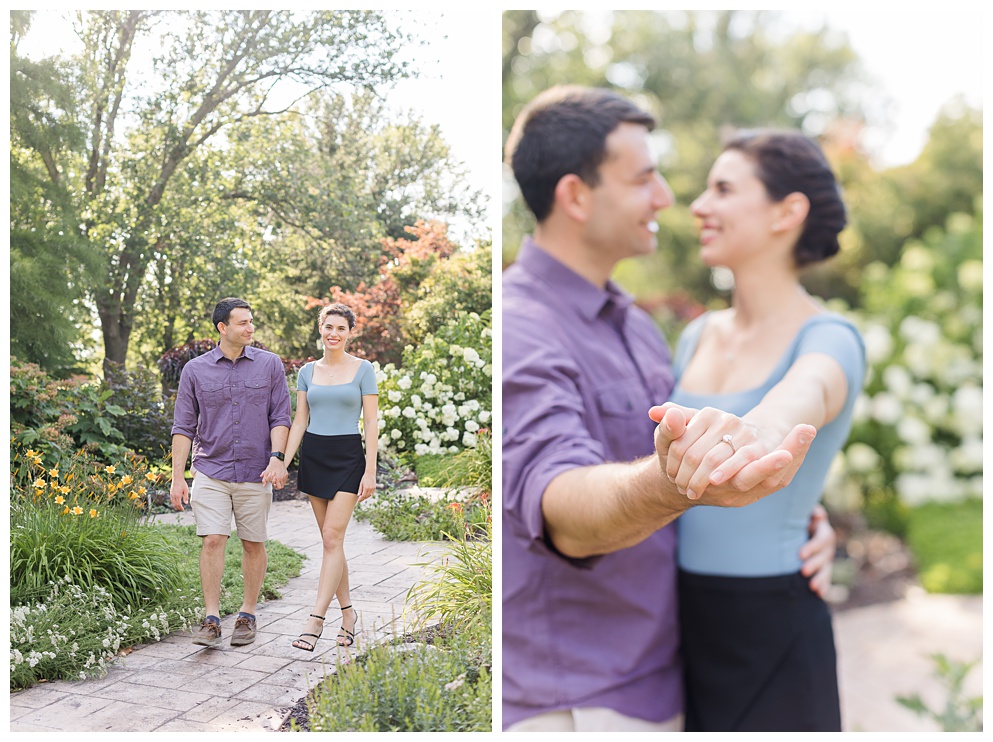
{"type": "Point", "coordinates": [910, 270]}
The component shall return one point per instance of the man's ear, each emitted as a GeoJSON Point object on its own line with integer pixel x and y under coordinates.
{"type": "Point", "coordinates": [573, 197]}
{"type": "Point", "coordinates": [792, 212]}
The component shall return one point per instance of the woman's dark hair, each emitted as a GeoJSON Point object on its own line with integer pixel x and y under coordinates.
{"type": "Point", "coordinates": [561, 132]}
{"type": "Point", "coordinates": [339, 310]}
{"type": "Point", "coordinates": [788, 162]}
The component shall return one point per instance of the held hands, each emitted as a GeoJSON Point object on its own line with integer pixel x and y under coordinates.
{"type": "Point", "coordinates": [275, 474]}
{"type": "Point", "coordinates": [696, 455]}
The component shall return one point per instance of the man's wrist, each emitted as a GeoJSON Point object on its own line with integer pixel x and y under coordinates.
{"type": "Point", "coordinates": [278, 455]}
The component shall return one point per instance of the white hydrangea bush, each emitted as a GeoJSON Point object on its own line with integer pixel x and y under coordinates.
{"type": "Point", "coordinates": [440, 400]}
{"type": "Point", "coordinates": [917, 432]}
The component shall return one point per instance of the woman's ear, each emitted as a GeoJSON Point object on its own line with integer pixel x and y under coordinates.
{"type": "Point", "coordinates": [572, 196]}
{"type": "Point", "coordinates": [792, 212]}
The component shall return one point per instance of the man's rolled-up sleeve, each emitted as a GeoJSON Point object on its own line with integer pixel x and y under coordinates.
{"type": "Point", "coordinates": [279, 396]}
{"type": "Point", "coordinates": [544, 430]}
{"type": "Point", "coordinates": [187, 412]}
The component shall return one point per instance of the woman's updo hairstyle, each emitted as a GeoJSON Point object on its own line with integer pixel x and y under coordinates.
{"type": "Point", "coordinates": [339, 310]}
{"type": "Point", "coordinates": [788, 162]}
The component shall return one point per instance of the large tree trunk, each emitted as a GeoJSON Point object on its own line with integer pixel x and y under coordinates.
{"type": "Point", "coordinates": [116, 328]}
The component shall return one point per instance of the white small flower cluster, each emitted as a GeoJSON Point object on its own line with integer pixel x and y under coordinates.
{"type": "Point", "coordinates": [78, 632]}
{"type": "Point", "coordinates": [440, 400]}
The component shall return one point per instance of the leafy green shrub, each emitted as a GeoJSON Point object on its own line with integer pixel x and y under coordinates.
{"type": "Point", "coordinates": [420, 688]}
{"type": "Point", "coordinates": [462, 283]}
{"type": "Point", "coordinates": [38, 413]}
{"type": "Point", "coordinates": [409, 516]}
{"type": "Point", "coordinates": [146, 424]}
{"type": "Point", "coordinates": [82, 520]}
{"type": "Point", "coordinates": [57, 417]}
{"type": "Point", "coordinates": [947, 543]}
{"type": "Point", "coordinates": [441, 398]}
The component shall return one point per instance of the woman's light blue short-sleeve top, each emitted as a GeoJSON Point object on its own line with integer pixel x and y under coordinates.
{"type": "Point", "coordinates": [764, 538]}
{"type": "Point", "coordinates": [335, 408]}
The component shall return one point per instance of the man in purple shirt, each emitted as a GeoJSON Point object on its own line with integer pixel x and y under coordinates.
{"type": "Point", "coordinates": [233, 412]}
{"type": "Point", "coordinates": [590, 634]}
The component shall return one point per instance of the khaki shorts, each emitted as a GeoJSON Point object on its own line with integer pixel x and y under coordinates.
{"type": "Point", "coordinates": [215, 501]}
{"type": "Point", "coordinates": [593, 720]}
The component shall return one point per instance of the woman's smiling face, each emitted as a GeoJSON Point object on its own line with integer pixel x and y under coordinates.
{"type": "Point", "coordinates": [736, 215]}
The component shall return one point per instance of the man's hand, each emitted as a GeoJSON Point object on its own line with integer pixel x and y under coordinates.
{"type": "Point", "coordinates": [275, 474]}
{"type": "Point", "coordinates": [712, 472]}
{"type": "Point", "coordinates": [818, 553]}
{"type": "Point", "coordinates": [179, 493]}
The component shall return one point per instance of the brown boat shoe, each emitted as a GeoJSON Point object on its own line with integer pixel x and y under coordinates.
{"type": "Point", "coordinates": [244, 630]}
{"type": "Point", "coordinates": [209, 634]}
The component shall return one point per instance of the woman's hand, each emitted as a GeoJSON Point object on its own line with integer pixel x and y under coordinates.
{"type": "Point", "coordinates": [367, 487]}
{"type": "Point", "coordinates": [818, 553]}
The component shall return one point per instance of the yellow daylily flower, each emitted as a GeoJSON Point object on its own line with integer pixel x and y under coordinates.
{"type": "Point", "coordinates": [110, 469]}
{"type": "Point", "coordinates": [127, 479]}
{"type": "Point", "coordinates": [93, 513]}
{"type": "Point", "coordinates": [64, 489]}
{"type": "Point", "coordinates": [54, 473]}
{"type": "Point", "coordinates": [142, 490]}
{"type": "Point", "coordinates": [150, 477]}
{"type": "Point", "coordinates": [60, 499]}
{"type": "Point", "coordinates": [65, 510]}
{"type": "Point", "coordinates": [39, 483]}
{"type": "Point", "coordinates": [77, 510]}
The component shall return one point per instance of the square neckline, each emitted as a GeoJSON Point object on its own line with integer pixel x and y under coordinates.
{"type": "Point", "coordinates": [786, 355]}
{"type": "Point", "coordinates": [343, 383]}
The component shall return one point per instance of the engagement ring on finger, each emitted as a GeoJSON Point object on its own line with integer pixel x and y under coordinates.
{"type": "Point", "coordinates": [726, 438]}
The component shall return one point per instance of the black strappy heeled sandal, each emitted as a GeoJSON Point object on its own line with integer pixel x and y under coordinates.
{"type": "Point", "coordinates": [345, 637]}
{"type": "Point", "coordinates": [310, 645]}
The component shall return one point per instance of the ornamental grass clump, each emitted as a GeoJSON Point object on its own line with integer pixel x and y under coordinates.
{"type": "Point", "coordinates": [80, 519]}
{"type": "Point", "coordinates": [458, 589]}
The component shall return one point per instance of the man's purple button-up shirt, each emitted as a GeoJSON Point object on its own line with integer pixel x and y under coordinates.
{"type": "Point", "coordinates": [227, 409]}
{"type": "Point", "coordinates": [581, 367]}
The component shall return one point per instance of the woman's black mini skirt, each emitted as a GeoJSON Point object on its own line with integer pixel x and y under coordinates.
{"type": "Point", "coordinates": [330, 464]}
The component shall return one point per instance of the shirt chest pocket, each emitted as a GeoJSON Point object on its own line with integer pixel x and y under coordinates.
{"type": "Point", "coordinates": [621, 408]}
{"type": "Point", "coordinates": [213, 396]}
{"type": "Point", "coordinates": [257, 391]}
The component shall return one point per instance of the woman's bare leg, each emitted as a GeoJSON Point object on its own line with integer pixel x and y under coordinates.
{"type": "Point", "coordinates": [332, 518]}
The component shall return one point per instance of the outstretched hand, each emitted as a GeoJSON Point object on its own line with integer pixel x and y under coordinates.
{"type": "Point", "coordinates": [706, 469]}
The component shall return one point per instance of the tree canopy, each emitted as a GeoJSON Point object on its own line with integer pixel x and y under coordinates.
{"type": "Point", "coordinates": [186, 155]}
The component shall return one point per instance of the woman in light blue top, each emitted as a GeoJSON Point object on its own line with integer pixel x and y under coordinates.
{"type": "Point", "coordinates": [757, 641]}
{"type": "Point", "coordinates": [335, 472]}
